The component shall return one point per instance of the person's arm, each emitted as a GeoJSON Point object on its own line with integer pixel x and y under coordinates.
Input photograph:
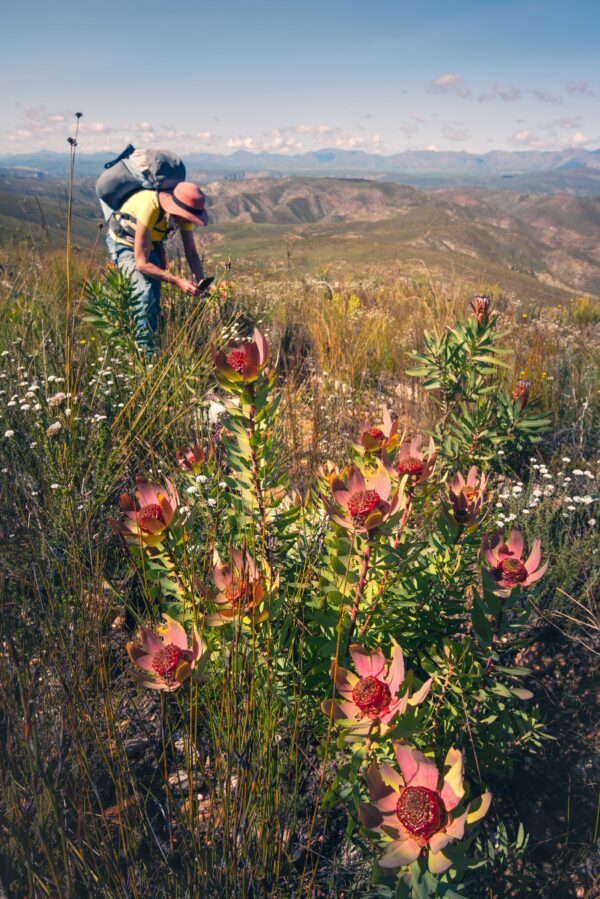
{"type": "Point", "coordinates": [141, 252]}
{"type": "Point", "coordinates": [191, 254]}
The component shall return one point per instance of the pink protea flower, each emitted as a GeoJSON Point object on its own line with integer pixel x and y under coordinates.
{"type": "Point", "coordinates": [149, 514]}
{"type": "Point", "coordinates": [505, 558]}
{"type": "Point", "coordinates": [362, 503]}
{"type": "Point", "coordinates": [243, 361]}
{"type": "Point", "coordinates": [521, 392]}
{"type": "Point", "coordinates": [417, 810]}
{"type": "Point", "coordinates": [411, 460]}
{"type": "Point", "coordinates": [165, 658]}
{"type": "Point", "coordinates": [192, 458]}
{"type": "Point", "coordinates": [372, 695]}
{"type": "Point", "coordinates": [241, 588]}
{"type": "Point", "coordinates": [466, 496]}
{"type": "Point", "coordinates": [481, 307]}
{"type": "Point", "coordinates": [376, 439]}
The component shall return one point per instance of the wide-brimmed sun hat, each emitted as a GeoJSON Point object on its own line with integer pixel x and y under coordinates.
{"type": "Point", "coordinates": [185, 200]}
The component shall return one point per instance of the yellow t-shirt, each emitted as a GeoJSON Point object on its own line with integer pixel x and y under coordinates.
{"type": "Point", "coordinates": [142, 206]}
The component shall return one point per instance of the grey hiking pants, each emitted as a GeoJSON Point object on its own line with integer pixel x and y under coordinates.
{"type": "Point", "coordinates": [147, 304]}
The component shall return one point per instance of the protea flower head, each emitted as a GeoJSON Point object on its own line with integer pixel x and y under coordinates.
{"type": "Point", "coordinates": [243, 361]}
{"type": "Point", "coordinates": [372, 695]}
{"type": "Point", "coordinates": [362, 503]}
{"type": "Point", "coordinates": [192, 458]}
{"type": "Point", "coordinates": [240, 588]}
{"type": "Point", "coordinates": [165, 658]}
{"type": "Point", "coordinates": [481, 307]}
{"type": "Point", "coordinates": [148, 515]}
{"type": "Point", "coordinates": [505, 558]}
{"type": "Point", "coordinates": [411, 460]}
{"type": "Point", "coordinates": [416, 809]}
{"type": "Point", "coordinates": [466, 496]}
{"type": "Point", "coordinates": [379, 438]}
{"type": "Point", "coordinates": [521, 392]}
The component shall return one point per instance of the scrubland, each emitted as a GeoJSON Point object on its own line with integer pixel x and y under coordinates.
{"type": "Point", "coordinates": [253, 528]}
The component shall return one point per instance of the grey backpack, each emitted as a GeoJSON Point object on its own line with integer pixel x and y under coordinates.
{"type": "Point", "coordinates": [135, 170]}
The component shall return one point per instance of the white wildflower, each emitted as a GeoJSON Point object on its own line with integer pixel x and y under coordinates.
{"type": "Point", "coordinates": [53, 429]}
{"type": "Point", "coordinates": [8, 434]}
{"type": "Point", "coordinates": [57, 399]}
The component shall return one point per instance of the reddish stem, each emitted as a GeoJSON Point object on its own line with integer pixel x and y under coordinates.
{"type": "Point", "coordinates": [364, 570]}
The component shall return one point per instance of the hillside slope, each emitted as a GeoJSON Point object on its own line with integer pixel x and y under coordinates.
{"type": "Point", "coordinates": [537, 246]}
{"type": "Point", "coordinates": [552, 239]}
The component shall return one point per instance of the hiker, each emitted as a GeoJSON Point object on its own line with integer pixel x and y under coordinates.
{"type": "Point", "coordinates": [136, 243]}
{"type": "Point", "coordinates": [144, 199]}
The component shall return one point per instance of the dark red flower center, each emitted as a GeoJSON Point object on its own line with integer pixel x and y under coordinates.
{"type": "Point", "coordinates": [237, 359]}
{"type": "Point", "coordinates": [372, 695]}
{"type": "Point", "coordinates": [362, 502]}
{"type": "Point", "coordinates": [412, 465]}
{"type": "Point", "coordinates": [512, 571]}
{"type": "Point", "coordinates": [165, 660]}
{"type": "Point", "coordinates": [422, 812]}
{"type": "Point", "coordinates": [151, 512]}
{"type": "Point", "coordinates": [377, 435]}
{"type": "Point", "coordinates": [236, 591]}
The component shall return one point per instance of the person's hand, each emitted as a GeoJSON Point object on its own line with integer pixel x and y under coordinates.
{"type": "Point", "coordinates": [188, 287]}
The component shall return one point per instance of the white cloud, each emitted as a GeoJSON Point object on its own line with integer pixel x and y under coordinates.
{"type": "Point", "coordinates": [527, 139]}
{"type": "Point", "coordinates": [568, 123]}
{"type": "Point", "coordinates": [580, 87]}
{"type": "Point", "coordinates": [142, 128]}
{"type": "Point", "coordinates": [449, 83]}
{"type": "Point", "coordinates": [508, 94]}
{"type": "Point", "coordinates": [205, 137]}
{"type": "Point", "coordinates": [281, 140]}
{"type": "Point", "coordinates": [577, 140]}
{"type": "Point", "coordinates": [242, 143]}
{"type": "Point", "coordinates": [544, 96]}
{"type": "Point", "coordinates": [20, 134]}
{"type": "Point", "coordinates": [314, 130]}
{"type": "Point", "coordinates": [94, 128]}
{"type": "Point", "coordinates": [552, 142]}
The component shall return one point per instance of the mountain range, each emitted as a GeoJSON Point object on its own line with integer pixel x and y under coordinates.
{"type": "Point", "coordinates": [572, 170]}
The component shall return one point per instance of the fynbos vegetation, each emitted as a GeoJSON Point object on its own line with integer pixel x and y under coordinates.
{"type": "Point", "coordinates": [274, 604]}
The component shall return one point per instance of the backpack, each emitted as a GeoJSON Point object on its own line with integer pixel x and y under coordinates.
{"type": "Point", "coordinates": [135, 170]}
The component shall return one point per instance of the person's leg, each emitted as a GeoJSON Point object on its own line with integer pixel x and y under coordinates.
{"type": "Point", "coordinates": [147, 300]}
{"type": "Point", "coordinates": [153, 308]}
{"type": "Point", "coordinates": [112, 248]}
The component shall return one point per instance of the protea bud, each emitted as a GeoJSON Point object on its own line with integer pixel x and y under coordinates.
{"type": "Point", "coordinates": [521, 392]}
{"type": "Point", "coordinates": [480, 306]}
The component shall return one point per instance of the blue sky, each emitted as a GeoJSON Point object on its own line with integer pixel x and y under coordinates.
{"type": "Point", "coordinates": [385, 75]}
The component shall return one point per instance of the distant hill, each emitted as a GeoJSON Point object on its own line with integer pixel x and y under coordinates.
{"type": "Point", "coordinates": [574, 170]}
{"type": "Point", "coordinates": [551, 240]}
{"type": "Point", "coordinates": [544, 247]}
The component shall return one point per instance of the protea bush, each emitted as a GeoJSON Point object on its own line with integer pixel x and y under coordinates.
{"type": "Point", "coordinates": [306, 600]}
